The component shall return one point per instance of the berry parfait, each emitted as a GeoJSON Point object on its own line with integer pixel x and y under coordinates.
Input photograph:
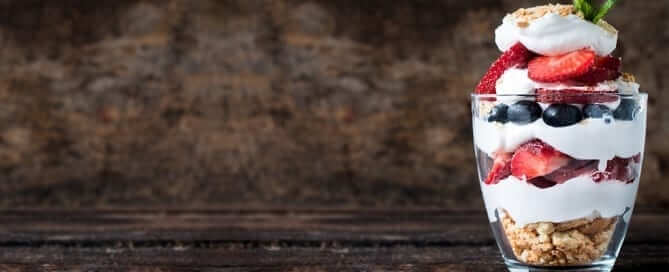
{"type": "Point", "coordinates": [559, 133]}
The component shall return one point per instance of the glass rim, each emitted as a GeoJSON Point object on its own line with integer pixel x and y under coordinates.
{"type": "Point", "coordinates": [640, 94]}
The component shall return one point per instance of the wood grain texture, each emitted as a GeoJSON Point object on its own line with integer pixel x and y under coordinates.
{"type": "Point", "coordinates": [302, 102]}
{"type": "Point", "coordinates": [278, 240]}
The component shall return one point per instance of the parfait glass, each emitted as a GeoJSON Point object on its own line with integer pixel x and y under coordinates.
{"type": "Point", "coordinates": [559, 180]}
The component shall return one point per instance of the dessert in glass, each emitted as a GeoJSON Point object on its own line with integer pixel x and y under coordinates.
{"type": "Point", "coordinates": [559, 133]}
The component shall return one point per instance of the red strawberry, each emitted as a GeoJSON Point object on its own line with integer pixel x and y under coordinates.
{"type": "Point", "coordinates": [559, 68]}
{"type": "Point", "coordinates": [597, 75]}
{"type": "Point", "coordinates": [535, 159]}
{"type": "Point", "coordinates": [574, 169]}
{"type": "Point", "coordinates": [601, 176]}
{"type": "Point", "coordinates": [517, 55]}
{"type": "Point", "coordinates": [620, 169]}
{"type": "Point", "coordinates": [609, 62]}
{"type": "Point", "coordinates": [574, 96]}
{"type": "Point", "coordinates": [542, 182]}
{"type": "Point", "coordinates": [605, 68]}
{"type": "Point", "coordinates": [501, 169]}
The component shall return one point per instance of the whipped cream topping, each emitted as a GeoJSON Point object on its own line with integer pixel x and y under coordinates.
{"type": "Point", "coordinates": [591, 139]}
{"type": "Point", "coordinates": [579, 197]}
{"type": "Point", "coordinates": [553, 35]}
{"type": "Point", "coordinates": [515, 81]}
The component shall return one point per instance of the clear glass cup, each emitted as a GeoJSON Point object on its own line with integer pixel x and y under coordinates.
{"type": "Point", "coordinates": [559, 180]}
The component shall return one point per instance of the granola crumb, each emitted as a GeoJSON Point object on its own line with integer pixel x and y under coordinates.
{"type": "Point", "coordinates": [576, 242]}
{"type": "Point", "coordinates": [485, 107]}
{"type": "Point", "coordinates": [627, 77]}
{"type": "Point", "coordinates": [525, 16]}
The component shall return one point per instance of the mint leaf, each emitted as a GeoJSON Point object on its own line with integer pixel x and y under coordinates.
{"type": "Point", "coordinates": [603, 10]}
{"type": "Point", "coordinates": [589, 12]}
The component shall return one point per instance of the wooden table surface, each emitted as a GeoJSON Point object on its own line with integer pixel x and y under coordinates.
{"type": "Point", "coordinates": [249, 239]}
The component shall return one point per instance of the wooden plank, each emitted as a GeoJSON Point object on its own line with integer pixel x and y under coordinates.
{"type": "Point", "coordinates": [362, 227]}
{"type": "Point", "coordinates": [456, 258]}
{"type": "Point", "coordinates": [278, 240]}
{"type": "Point", "coordinates": [428, 227]}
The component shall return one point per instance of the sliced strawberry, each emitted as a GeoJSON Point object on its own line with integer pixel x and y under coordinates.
{"type": "Point", "coordinates": [601, 176]}
{"type": "Point", "coordinates": [605, 68]}
{"type": "Point", "coordinates": [597, 75]}
{"type": "Point", "coordinates": [542, 182]}
{"type": "Point", "coordinates": [574, 96]}
{"type": "Point", "coordinates": [575, 168]}
{"type": "Point", "coordinates": [560, 68]}
{"type": "Point", "coordinates": [501, 169]}
{"type": "Point", "coordinates": [609, 62]}
{"type": "Point", "coordinates": [517, 55]}
{"type": "Point", "coordinates": [535, 159]}
{"type": "Point", "coordinates": [621, 169]}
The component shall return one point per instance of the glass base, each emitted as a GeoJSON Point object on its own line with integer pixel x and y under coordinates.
{"type": "Point", "coordinates": [604, 266]}
{"type": "Point", "coordinates": [604, 262]}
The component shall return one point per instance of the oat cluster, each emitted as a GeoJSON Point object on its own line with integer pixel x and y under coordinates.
{"type": "Point", "coordinates": [525, 16]}
{"type": "Point", "coordinates": [627, 77]}
{"type": "Point", "coordinates": [576, 242]}
{"type": "Point", "coordinates": [485, 107]}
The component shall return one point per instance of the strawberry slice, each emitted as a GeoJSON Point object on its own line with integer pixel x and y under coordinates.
{"type": "Point", "coordinates": [501, 169]}
{"type": "Point", "coordinates": [535, 158]}
{"type": "Point", "coordinates": [597, 75]}
{"type": "Point", "coordinates": [542, 182]}
{"type": "Point", "coordinates": [517, 55]}
{"type": "Point", "coordinates": [605, 68]}
{"type": "Point", "coordinates": [609, 62]}
{"type": "Point", "coordinates": [559, 68]}
{"type": "Point", "coordinates": [575, 168]}
{"type": "Point", "coordinates": [574, 96]}
{"type": "Point", "coordinates": [621, 169]}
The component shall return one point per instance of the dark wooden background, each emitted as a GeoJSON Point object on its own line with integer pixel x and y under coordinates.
{"type": "Point", "coordinates": [202, 103]}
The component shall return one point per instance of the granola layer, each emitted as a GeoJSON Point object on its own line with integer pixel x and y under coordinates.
{"type": "Point", "coordinates": [576, 242]}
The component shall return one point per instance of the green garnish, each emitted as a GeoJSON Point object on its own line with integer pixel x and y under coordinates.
{"type": "Point", "coordinates": [592, 13]}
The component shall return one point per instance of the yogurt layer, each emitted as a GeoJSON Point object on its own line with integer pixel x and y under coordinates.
{"type": "Point", "coordinates": [516, 81]}
{"type": "Point", "coordinates": [591, 139]}
{"type": "Point", "coordinates": [577, 198]}
{"type": "Point", "coordinates": [554, 34]}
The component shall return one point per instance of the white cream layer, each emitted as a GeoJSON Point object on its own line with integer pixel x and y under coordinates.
{"type": "Point", "coordinates": [577, 198]}
{"type": "Point", "coordinates": [553, 35]}
{"type": "Point", "coordinates": [591, 139]}
{"type": "Point", "coordinates": [515, 81]}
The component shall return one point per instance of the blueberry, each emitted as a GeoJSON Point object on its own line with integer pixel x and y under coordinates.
{"type": "Point", "coordinates": [499, 114]}
{"type": "Point", "coordinates": [596, 111]}
{"type": "Point", "coordinates": [627, 110]}
{"type": "Point", "coordinates": [562, 115]}
{"type": "Point", "coordinates": [524, 112]}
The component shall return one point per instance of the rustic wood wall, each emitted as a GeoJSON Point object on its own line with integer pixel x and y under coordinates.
{"type": "Point", "coordinates": [330, 102]}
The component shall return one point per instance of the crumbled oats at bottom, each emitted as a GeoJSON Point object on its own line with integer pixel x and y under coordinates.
{"type": "Point", "coordinates": [576, 242]}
